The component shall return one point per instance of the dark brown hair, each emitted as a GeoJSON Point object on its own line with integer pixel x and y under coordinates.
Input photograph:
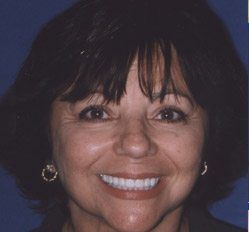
{"type": "Point", "coordinates": [92, 45]}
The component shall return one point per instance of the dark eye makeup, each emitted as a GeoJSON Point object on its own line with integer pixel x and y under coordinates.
{"type": "Point", "coordinates": [99, 113]}
{"type": "Point", "coordinates": [171, 115]}
{"type": "Point", "coordinates": [94, 113]}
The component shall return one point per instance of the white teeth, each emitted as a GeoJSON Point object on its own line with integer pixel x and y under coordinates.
{"type": "Point", "coordinates": [130, 184]}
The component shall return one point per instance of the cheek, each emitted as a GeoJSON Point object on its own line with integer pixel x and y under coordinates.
{"type": "Point", "coordinates": [74, 151]}
{"type": "Point", "coordinates": [182, 153]}
{"type": "Point", "coordinates": [183, 148]}
{"type": "Point", "coordinates": [188, 149]}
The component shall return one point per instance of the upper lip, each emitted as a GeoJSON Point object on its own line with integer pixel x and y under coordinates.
{"type": "Point", "coordinates": [133, 175]}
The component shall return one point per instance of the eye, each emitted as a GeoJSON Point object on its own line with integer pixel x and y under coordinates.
{"type": "Point", "coordinates": [93, 113]}
{"type": "Point", "coordinates": [171, 115]}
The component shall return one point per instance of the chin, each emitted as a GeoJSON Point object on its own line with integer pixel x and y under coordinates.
{"type": "Point", "coordinates": [133, 221]}
{"type": "Point", "coordinates": [134, 227]}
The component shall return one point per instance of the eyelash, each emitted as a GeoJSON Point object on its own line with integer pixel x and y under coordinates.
{"type": "Point", "coordinates": [90, 109]}
{"type": "Point", "coordinates": [181, 116]}
{"type": "Point", "coordinates": [176, 114]}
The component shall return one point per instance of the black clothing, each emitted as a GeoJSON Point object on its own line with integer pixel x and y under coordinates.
{"type": "Point", "coordinates": [199, 221]}
{"type": "Point", "coordinates": [203, 221]}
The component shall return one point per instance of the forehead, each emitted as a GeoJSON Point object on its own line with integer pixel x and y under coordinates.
{"type": "Point", "coordinates": [176, 82]}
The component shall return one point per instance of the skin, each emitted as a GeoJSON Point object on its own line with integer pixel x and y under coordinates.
{"type": "Point", "coordinates": [131, 137]}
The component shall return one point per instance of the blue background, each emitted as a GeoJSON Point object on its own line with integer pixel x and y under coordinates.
{"type": "Point", "coordinates": [20, 20]}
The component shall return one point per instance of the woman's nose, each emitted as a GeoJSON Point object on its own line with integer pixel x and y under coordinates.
{"type": "Point", "coordinates": [134, 141]}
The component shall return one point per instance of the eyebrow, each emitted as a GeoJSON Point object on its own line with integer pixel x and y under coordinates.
{"type": "Point", "coordinates": [99, 93]}
{"type": "Point", "coordinates": [157, 95]}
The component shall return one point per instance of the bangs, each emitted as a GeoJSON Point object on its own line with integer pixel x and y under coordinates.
{"type": "Point", "coordinates": [92, 47]}
{"type": "Point", "coordinates": [112, 39]}
{"type": "Point", "coordinates": [106, 70]}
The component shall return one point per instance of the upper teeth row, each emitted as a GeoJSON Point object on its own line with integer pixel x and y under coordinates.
{"type": "Point", "coordinates": [130, 184]}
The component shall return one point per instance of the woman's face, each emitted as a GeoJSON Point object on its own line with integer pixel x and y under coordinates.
{"type": "Point", "coordinates": [128, 166]}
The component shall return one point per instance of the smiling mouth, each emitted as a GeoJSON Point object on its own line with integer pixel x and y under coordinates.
{"type": "Point", "coordinates": [130, 184]}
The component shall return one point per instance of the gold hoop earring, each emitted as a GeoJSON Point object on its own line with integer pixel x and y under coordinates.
{"type": "Point", "coordinates": [49, 173]}
{"type": "Point", "coordinates": [205, 168]}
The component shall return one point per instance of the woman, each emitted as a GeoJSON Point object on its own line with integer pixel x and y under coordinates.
{"type": "Point", "coordinates": [128, 116]}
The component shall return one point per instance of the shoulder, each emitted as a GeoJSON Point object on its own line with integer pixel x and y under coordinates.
{"type": "Point", "coordinates": [218, 225]}
{"type": "Point", "coordinates": [203, 221]}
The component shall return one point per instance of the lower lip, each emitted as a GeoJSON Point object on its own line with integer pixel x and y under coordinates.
{"type": "Point", "coordinates": [134, 194]}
